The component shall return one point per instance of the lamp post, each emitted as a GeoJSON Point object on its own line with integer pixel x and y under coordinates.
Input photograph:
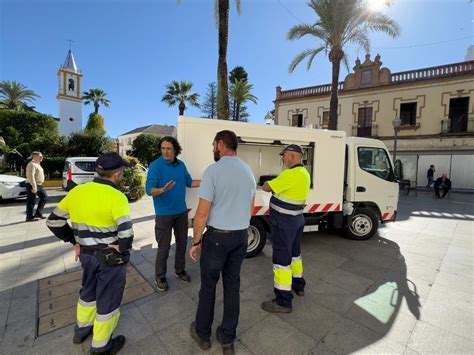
{"type": "Point", "coordinates": [268, 118]}
{"type": "Point", "coordinates": [396, 123]}
{"type": "Point", "coordinates": [117, 143]}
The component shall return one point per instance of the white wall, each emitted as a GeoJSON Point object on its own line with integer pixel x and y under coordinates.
{"type": "Point", "coordinates": [69, 109]}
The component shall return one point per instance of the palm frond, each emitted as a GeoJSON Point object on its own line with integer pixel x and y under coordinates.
{"type": "Point", "coordinates": [300, 57]}
{"type": "Point", "coordinates": [299, 31]}
{"type": "Point", "coordinates": [382, 23]}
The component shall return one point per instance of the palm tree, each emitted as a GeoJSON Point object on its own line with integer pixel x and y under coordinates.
{"type": "Point", "coordinates": [15, 96]}
{"type": "Point", "coordinates": [96, 96]}
{"type": "Point", "coordinates": [240, 92]}
{"type": "Point", "coordinates": [222, 19]}
{"type": "Point", "coordinates": [222, 22]}
{"type": "Point", "coordinates": [179, 92]}
{"type": "Point", "coordinates": [340, 22]}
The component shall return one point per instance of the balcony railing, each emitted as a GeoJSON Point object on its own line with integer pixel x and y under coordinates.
{"type": "Point", "coordinates": [368, 132]}
{"type": "Point", "coordinates": [405, 76]}
{"type": "Point", "coordinates": [309, 91]}
{"type": "Point", "coordinates": [450, 126]}
{"type": "Point", "coordinates": [434, 72]}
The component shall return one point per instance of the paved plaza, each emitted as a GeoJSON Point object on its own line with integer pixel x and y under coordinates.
{"type": "Point", "coordinates": [408, 290]}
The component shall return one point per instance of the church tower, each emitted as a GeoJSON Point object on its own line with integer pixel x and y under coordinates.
{"type": "Point", "coordinates": [69, 97]}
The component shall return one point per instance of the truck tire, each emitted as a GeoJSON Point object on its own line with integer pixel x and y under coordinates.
{"type": "Point", "coordinates": [361, 225]}
{"type": "Point", "coordinates": [257, 238]}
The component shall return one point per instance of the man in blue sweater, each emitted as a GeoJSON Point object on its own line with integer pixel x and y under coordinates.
{"type": "Point", "coordinates": [167, 181]}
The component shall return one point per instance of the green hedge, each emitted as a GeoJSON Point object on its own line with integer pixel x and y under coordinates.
{"type": "Point", "coordinates": [53, 166]}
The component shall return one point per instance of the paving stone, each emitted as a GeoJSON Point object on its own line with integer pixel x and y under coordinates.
{"type": "Point", "coordinates": [132, 324]}
{"type": "Point", "coordinates": [149, 344]}
{"type": "Point", "coordinates": [427, 339]}
{"type": "Point", "coordinates": [456, 282]}
{"type": "Point", "coordinates": [18, 337]}
{"type": "Point", "coordinates": [451, 297]}
{"type": "Point", "coordinates": [332, 297]}
{"type": "Point", "coordinates": [167, 309]}
{"type": "Point", "coordinates": [348, 336]}
{"type": "Point", "coordinates": [453, 320]}
{"type": "Point", "coordinates": [361, 269]}
{"type": "Point", "coordinates": [386, 320]}
{"type": "Point", "coordinates": [348, 281]}
{"type": "Point", "coordinates": [457, 269]}
{"type": "Point", "coordinates": [273, 335]}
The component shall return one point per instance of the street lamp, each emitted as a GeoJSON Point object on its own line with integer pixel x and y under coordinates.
{"type": "Point", "coordinates": [117, 143]}
{"type": "Point", "coordinates": [268, 118]}
{"type": "Point", "coordinates": [396, 123]}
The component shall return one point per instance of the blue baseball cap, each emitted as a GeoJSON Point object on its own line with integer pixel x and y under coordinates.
{"type": "Point", "coordinates": [292, 148]}
{"type": "Point", "coordinates": [110, 161]}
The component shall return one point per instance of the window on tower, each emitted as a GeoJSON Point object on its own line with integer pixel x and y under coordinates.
{"type": "Point", "coordinates": [71, 85]}
{"type": "Point", "coordinates": [71, 119]}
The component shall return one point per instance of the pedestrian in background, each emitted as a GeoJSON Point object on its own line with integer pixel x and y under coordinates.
{"type": "Point", "coordinates": [34, 187]}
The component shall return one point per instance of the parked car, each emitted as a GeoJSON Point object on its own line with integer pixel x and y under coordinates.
{"type": "Point", "coordinates": [78, 170]}
{"type": "Point", "coordinates": [12, 187]}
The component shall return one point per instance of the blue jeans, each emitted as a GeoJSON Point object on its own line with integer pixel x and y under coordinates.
{"type": "Point", "coordinates": [221, 252]}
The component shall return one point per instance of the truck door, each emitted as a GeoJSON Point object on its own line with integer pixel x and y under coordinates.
{"type": "Point", "coordinates": [375, 180]}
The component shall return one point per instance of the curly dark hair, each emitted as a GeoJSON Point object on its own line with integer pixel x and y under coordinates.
{"type": "Point", "coordinates": [174, 142]}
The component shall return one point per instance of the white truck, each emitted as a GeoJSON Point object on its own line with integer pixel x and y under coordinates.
{"type": "Point", "coordinates": [353, 185]}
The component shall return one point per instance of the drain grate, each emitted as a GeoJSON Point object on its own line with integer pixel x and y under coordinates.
{"type": "Point", "coordinates": [58, 297]}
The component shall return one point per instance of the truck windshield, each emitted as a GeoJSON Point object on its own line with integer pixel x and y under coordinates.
{"type": "Point", "coordinates": [375, 161]}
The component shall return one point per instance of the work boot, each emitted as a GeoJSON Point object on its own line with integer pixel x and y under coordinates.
{"type": "Point", "coordinates": [203, 344]}
{"type": "Point", "coordinates": [183, 276]}
{"type": "Point", "coordinates": [273, 307]}
{"type": "Point", "coordinates": [34, 219]}
{"type": "Point", "coordinates": [299, 292]}
{"type": "Point", "coordinates": [79, 340]}
{"type": "Point", "coordinates": [162, 284]}
{"type": "Point", "coordinates": [227, 348]}
{"type": "Point", "coordinates": [117, 344]}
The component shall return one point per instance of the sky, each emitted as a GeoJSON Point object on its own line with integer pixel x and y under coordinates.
{"type": "Point", "coordinates": [133, 48]}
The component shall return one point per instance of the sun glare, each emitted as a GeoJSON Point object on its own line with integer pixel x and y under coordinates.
{"type": "Point", "coordinates": [376, 5]}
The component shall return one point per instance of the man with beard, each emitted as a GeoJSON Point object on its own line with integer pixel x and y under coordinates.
{"type": "Point", "coordinates": [226, 200]}
{"type": "Point", "coordinates": [166, 181]}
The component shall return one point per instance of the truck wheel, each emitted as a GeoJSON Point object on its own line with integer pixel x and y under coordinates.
{"type": "Point", "coordinates": [361, 225]}
{"type": "Point", "coordinates": [256, 239]}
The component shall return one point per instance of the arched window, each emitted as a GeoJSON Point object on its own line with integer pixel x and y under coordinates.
{"type": "Point", "coordinates": [70, 85]}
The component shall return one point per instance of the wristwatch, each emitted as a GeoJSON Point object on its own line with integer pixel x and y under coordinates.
{"type": "Point", "coordinates": [194, 244]}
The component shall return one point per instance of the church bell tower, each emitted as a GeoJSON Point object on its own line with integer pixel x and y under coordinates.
{"type": "Point", "coordinates": [69, 97]}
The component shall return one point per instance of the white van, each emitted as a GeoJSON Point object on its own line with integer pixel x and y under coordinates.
{"type": "Point", "coordinates": [353, 184]}
{"type": "Point", "coordinates": [77, 171]}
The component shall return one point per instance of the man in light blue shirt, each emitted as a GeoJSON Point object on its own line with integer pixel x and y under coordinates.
{"type": "Point", "coordinates": [166, 181]}
{"type": "Point", "coordinates": [226, 201]}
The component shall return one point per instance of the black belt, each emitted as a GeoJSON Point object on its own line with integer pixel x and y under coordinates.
{"type": "Point", "coordinates": [89, 250]}
{"type": "Point", "coordinates": [217, 230]}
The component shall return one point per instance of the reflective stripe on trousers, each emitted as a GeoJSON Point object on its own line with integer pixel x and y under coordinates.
{"type": "Point", "coordinates": [282, 277]}
{"type": "Point", "coordinates": [104, 326]}
{"type": "Point", "coordinates": [85, 313]}
{"type": "Point", "coordinates": [297, 267]}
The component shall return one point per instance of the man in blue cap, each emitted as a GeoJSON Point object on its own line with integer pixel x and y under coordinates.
{"type": "Point", "coordinates": [101, 232]}
{"type": "Point", "coordinates": [289, 192]}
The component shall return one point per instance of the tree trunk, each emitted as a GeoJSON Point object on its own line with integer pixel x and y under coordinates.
{"type": "Point", "coordinates": [237, 111]}
{"type": "Point", "coordinates": [335, 56]}
{"type": "Point", "coordinates": [96, 108]}
{"type": "Point", "coordinates": [222, 82]}
{"type": "Point", "coordinates": [182, 107]}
